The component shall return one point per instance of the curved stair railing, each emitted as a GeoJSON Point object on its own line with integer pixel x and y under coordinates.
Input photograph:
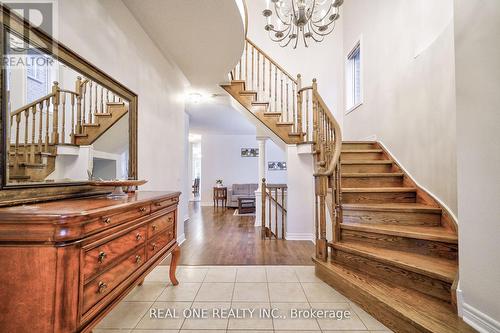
{"type": "Point", "coordinates": [327, 143]}
{"type": "Point", "coordinates": [304, 110]}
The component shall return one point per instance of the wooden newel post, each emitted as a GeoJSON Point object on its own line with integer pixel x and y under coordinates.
{"type": "Point", "coordinates": [55, 112]}
{"type": "Point", "coordinates": [321, 185]}
{"type": "Point", "coordinates": [263, 208]}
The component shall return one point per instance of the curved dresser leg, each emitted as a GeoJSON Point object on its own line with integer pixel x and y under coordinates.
{"type": "Point", "coordinates": [176, 253]}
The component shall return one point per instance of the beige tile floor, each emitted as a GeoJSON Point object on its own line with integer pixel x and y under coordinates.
{"type": "Point", "coordinates": [221, 288]}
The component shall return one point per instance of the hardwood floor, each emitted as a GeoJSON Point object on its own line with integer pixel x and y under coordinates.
{"type": "Point", "coordinates": [216, 237]}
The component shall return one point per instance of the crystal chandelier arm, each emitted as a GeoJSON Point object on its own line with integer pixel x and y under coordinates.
{"type": "Point", "coordinates": [326, 32]}
{"type": "Point", "coordinates": [312, 10]}
{"type": "Point", "coordinates": [324, 16]}
{"type": "Point", "coordinates": [278, 14]}
{"type": "Point", "coordinates": [287, 26]}
{"type": "Point", "coordinates": [280, 39]}
{"type": "Point", "coordinates": [314, 34]}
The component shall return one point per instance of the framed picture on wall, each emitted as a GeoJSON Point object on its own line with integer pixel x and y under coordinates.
{"type": "Point", "coordinates": [249, 152]}
{"type": "Point", "coordinates": [276, 166]}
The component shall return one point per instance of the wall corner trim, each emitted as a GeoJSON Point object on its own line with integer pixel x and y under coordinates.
{"type": "Point", "coordinates": [479, 321]}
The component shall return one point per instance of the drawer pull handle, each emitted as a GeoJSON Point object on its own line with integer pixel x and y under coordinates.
{"type": "Point", "coordinates": [101, 257]}
{"type": "Point", "coordinates": [154, 226]}
{"type": "Point", "coordinates": [142, 209]}
{"type": "Point", "coordinates": [138, 259]}
{"type": "Point", "coordinates": [158, 204]}
{"type": "Point", "coordinates": [154, 246]}
{"type": "Point", "coordinates": [138, 237]}
{"type": "Point", "coordinates": [101, 287]}
{"type": "Point", "coordinates": [170, 218]}
{"type": "Point", "coordinates": [170, 234]}
{"type": "Point", "coordinates": [106, 220]}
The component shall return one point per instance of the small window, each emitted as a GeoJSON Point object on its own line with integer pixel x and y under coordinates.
{"type": "Point", "coordinates": [354, 87]}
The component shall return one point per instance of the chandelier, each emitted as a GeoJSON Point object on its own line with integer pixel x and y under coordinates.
{"type": "Point", "coordinates": [301, 20]}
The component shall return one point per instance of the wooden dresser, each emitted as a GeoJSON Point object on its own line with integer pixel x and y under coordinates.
{"type": "Point", "coordinates": [65, 264]}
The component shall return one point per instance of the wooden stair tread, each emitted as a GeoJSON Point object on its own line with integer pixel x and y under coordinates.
{"type": "Point", "coordinates": [248, 92]}
{"type": "Point", "coordinates": [115, 103]}
{"type": "Point", "coordinates": [372, 174]}
{"type": "Point", "coordinates": [103, 114]}
{"type": "Point", "coordinates": [91, 125]}
{"type": "Point", "coordinates": [362, 151]}
{"type": "Point", "coordinates": [272, 114]}
{"type": "Point", "coordinates": [284, 124]}
{"type": "Point", "coordinates": [260, 103]}
{"type": "Point", "coordinates": [423, 311]}
{"type": "Point", "coordinates": [366, 161]}
{"type": "Point", "coordinates": [393, 207]}
{"type": "Point", "coordinates": [81, 135]}
{"type": "Point", "coordinates": [438, 234]}
{"type": "Point", "coordinates": [360, 142]}
{"type": "Point", "coordinates": [378, 189]}
{"type": "Point", "coordinates": [440, 268]}
{"type": "Point", "coordinates": [296, 134]}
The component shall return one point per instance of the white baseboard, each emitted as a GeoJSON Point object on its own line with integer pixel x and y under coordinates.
{"type": "Point", "coordinates": [480, 321]}
{"type": "Point", "coordinates": [181, 238]}
{"type": "Point", "coordinates": [300, 236]}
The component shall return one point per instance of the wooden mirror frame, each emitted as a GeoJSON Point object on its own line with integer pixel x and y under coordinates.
{"type": "Point", "coordinates": [19, 193]}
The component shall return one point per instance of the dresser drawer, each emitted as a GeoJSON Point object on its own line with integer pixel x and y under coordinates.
{"type": "Point", "coordinates": [115, 219]}
{"type": "Point", "coordinates": [100, 257]}
{"type": "Point", "coordinates": [161, 224]}
{"type": "Point", "coordinates": [157, 205]}
{"type": "Point", "coordinates": [99, 287]}
{"type": "Point", "coordinates": [159, 242]}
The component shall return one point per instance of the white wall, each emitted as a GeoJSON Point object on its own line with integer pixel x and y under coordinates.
{"type": "Point", "coordinates": [477, 32]}
{"type": "Point", "coordinates": [106, 34]}
{"type": "Point", "coordinates": [221, 159]}
{"type": "Point", "coordinates": [408, 77]}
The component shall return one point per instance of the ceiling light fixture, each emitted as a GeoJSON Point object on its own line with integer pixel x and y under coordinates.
{"type": "Point", "coordinates": [301, 19]}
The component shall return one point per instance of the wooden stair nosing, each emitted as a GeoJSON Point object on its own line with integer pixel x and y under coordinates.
{"type": "Point", "coordinates": [366, 161]}
{"type": "Point", "coordinates": [284, 124]}
{"type": "Point", "coordinates": [103, 114]}
{"type": "Point", "coordinates": [361, 151]}
{"type": "Point", "coordinates": [372, 174]}
{"type": "Point", "coordinates": [398, 308]}
{"type": "Point", "coordinates": [437, 234]}
{"type": "Point", "coordinates": [379, 189]}
{"type": "Point", "coordinates": [91, 125]}
{"type": "Point", "coordinates": [272, 114]}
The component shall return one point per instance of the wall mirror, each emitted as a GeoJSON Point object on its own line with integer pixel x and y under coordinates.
{"type": "Point", "coordinates": [64, 121]}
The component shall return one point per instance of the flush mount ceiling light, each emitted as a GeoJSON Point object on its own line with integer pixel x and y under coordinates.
{"type": "Point", "coordinates": [301, 19]}
{"type": "Point", "coordinates": [195, 98]}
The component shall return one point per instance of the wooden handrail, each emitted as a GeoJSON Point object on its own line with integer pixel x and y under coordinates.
{"type": "Point", "coordinates": [271, 60]}
{"type": "Point", "coordinates": [337, 135]}
{"type": "Point", "coordinates": [32, 104]}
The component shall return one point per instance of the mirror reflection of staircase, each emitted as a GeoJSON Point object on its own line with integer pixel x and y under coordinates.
{"type": "Point", "coordinates": [61, 118]}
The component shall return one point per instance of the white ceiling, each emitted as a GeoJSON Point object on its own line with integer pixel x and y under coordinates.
{"type": "Point", "coordinates": [216, 115]}
{"type": "Point", "coordinates": [204, 37]}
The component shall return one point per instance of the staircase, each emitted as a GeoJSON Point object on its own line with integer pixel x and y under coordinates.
{"type": "Point", "coordinates": [393, 248]}
{"type": "Point", "coordinates": [63, 117]}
